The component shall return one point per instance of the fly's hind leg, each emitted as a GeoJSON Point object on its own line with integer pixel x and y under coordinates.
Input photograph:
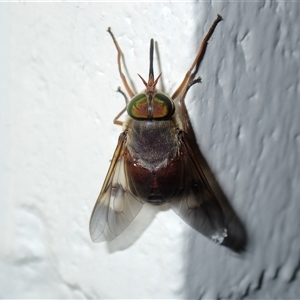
{"type": "Point", "coordinates": [116, 121]}
{"type": "Point", "coordinates": [189, 77]}
{"type": "Point", "coordinates": [120, 55]}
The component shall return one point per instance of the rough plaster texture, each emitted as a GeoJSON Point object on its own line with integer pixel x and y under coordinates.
{"type": "Point", "coordinates": [58, 81]}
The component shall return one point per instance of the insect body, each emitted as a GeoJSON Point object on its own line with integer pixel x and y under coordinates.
{"type": "Point", "coordinates": [154, 161]}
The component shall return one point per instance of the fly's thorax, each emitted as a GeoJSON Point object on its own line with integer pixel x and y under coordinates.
{"type": "Point", "coordinates": [152, 144]}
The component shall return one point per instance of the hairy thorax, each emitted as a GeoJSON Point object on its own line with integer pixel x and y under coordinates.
{"type": "Point", "coordinates": [152, 144]}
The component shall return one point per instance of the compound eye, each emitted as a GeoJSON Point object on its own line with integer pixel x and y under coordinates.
{"type": "Point", "coordinates": [138, 107]}
{"type": "Point", "coordinates": [163, 106]}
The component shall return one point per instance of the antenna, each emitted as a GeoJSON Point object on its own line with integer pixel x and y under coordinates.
{"type": "Point", "coordinates": [151, 73]}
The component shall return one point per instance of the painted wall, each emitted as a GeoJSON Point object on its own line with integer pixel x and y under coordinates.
{"type": "Point", "coordinates": [58, 81]}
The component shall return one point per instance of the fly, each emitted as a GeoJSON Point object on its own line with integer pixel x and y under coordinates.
{"type": "Point", "coordinates": [154, 161]}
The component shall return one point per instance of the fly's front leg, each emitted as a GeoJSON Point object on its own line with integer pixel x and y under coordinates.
{"type": "Point", "coordinates": [186, 83]}
{"type": "Point", "coordinates": [116, 121]}
{"type": "Point", "coordinates": [197, 80]}
{"type": "Point", "coordinates": [184, 113]}
{"type": "Point", "coordinates": [120, 55]}
{"type": "Point", "coordinates": [189, 80]}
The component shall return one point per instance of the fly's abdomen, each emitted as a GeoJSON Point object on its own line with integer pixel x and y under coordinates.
{"type": "Point", "coordinates": [154, 186]}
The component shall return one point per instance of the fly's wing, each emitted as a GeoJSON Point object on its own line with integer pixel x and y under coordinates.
{"type": "Point", "coordinates": [116, 205]}
{"type": "Point", "coordinates": [196, 203]}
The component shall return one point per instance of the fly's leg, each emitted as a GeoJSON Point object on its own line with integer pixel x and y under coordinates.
{"type": "Point", "coordinates": [189, 80]}
{"type": "Point", "coordinates": [120, 55]}
{"type": "Point", "coordinates": [186, 83]}
{"type": "Point", "coordinates": [197, 80]}
{"type": "Point", "coordinates": [119, 90]}
{"type": "Point", "coordinates": [116, 121]}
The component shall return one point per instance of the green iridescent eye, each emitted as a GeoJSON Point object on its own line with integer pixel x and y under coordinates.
{"type": "Point", "coordinates": [138, 107]}
{"type": "Point", "coordinates": [162, 107]}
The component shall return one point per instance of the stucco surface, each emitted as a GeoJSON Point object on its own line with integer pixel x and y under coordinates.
{"type": "Point", "coordinates": [58, 99]}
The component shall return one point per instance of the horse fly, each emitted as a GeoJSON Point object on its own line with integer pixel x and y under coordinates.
{"type": "Point", "coordinates": [154, 161]}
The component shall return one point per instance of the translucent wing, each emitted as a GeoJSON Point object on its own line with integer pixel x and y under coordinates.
{"type": "Point", "coordinates": [116, 205]}
{"type": "Point", "coordinates": [196, 203]}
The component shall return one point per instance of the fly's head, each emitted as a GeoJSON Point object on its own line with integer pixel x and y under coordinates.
{"type": "Point", "coordinates": [151, 104]}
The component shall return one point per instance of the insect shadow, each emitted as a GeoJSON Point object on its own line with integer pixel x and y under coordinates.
{"type": "Point", "coordinates": [237, 237]}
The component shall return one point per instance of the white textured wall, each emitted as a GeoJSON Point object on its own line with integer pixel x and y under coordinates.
{"type": "Point", "coordinates": [58, 81]}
